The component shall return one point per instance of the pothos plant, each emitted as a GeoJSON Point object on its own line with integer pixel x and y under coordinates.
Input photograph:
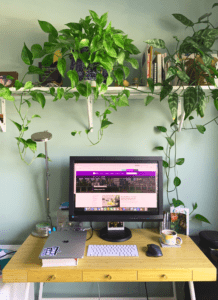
{"type": "Point", "coordinates": [199, 47]}
{"type": "Point", "coordinates": [108, 48]}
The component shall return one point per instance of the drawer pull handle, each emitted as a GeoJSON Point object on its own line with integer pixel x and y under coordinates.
{"type": "Point", "coordinates": [164, 276]}
{"type": "Point", "coordinates": [51, 277]}
{"type": "Point", "coordinates": [108, 276]}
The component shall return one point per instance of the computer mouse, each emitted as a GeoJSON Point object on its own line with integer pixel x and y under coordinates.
{"type": "Point", "coordinates": [154, 250]}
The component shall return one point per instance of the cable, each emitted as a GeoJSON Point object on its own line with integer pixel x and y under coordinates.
{"type": "Point", "coordinates": [91, 233]}
{"type": "Point", "coordinates": [146, 291]}
{"type": "Point", "coordinates": [7, 254]}
{"type": "Point", "coordinates": [99, 291]}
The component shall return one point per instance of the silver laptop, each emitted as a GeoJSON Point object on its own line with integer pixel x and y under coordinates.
{"type": "Point", "coordinates": [64, 244]}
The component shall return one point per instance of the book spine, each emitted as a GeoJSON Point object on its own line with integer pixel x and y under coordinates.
{"type": "Point", "coordinates": [150, 64]}
{"type": "Point", "coordinates": [163, 66]}
{"type": "Point", "coordinates": [155, 72]}
{"type": "Point", "coordinates": [159, 69]}
{"type": "Point", "coordinates": [148, 67]}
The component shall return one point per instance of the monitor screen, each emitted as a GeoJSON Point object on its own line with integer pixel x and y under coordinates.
{"type": "Point", "coordinates": [104, 189]}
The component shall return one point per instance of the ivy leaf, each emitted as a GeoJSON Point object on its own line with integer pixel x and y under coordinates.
{"type": "Point", "coordinates": [162, 128]}
{"type": "Point", "coordinates": [150, 84]}
{"type": "Point", "coordinates": [180, 161]}
{"type": "Point", "coordinates": [177, 181]}
{"type": "Point", "coordinates": [61, 65]}
{"type": "Point", "coordinates": [148, 99]}
{"type": "Point", "coordinates": [123, 101]}
{"type": "Point", "coordinates": [173, 104]}
{"type": "Point", "coordinates": [215, 4]}
{"type": "Point", "coordinates": [26, 55]}
{"type": "Point", "coordinates": [165, 91]}
{"type": "Point", "coordinates": [32, 145]}
{"type": "Point", "coordinates": [133, 62]}
{"type": "Point", "coordinates": [105, 124]}
{"type": "Point", "coordinates": [118, 40]}
{"type": "Point", "coordinates": [183, 76]}
{"type": "Point", "coordinates": [185, 21]}
{"type": "Point", "coordinates": [74, 78]}
{"type": "Point", "coordinates": [41, 155]}
{"type": "Point", "coordinates": [28, 85]}
{"type": "Point", "coordinates": [177, 203]}
{"type": "Point", "coordinates": [48, 28]}
{"type": "Point", "coordinates": [165, 164]}
{"type": "Point", "coordinates": [35, 116]}
{"type": "Point", "coordinates": [157, 43]}
{"type": "Point", "coordinates": [159, 148]}
{"type": "Point", "coordinates": [189, 100]}
{"type": "Point", "coordinates": [41, 99]}
{"type": "Point", "coordinates": [170, 141]}
{"type": "Point", "coordinates": [19, 127]}
{"type": "Point", "coordinates": [201, 128]}
{"type": "Point", "coordinates": [191, 118]}
{"type": "Point", "coordinates": [201, 218]}
{"type": "Point", "coordinates": [195, 206]}
{"type": "Point", "coordinates": [37, 51]}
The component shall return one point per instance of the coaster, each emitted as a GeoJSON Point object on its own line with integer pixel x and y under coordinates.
{"type": "Point", "coordinates": [168, 246]}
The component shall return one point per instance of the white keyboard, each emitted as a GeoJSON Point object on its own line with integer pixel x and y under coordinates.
{"type": "Point", "coordinates": [112, 250]}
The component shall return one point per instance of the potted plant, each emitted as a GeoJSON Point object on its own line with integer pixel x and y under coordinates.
{"type": "Point", "coordinates": [200, 70]}
{"type": "Point", "coordinates": [98, 46]}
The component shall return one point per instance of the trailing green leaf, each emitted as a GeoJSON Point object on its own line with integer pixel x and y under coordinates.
{"type": "Point", "coordinates": [201, 218]}
{"type": "Point", "coordinates": [157, 43]}
{"type": "Point", "coordinates": [170, 141]}
{"type": "Point", "coordinates": [201, 128]}
{"type": "Point", "coordinates": [162, 128]}
{"type": "Point", "coordinates": [189, 100]}
{"type": "Point", "coordinates": [173, 104]}
{"type": "Point", "coordinates": [177, 181]}
{"type": "Point", "coordinates": [185, 21]}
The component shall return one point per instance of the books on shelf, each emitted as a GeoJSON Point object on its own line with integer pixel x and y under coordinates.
{"type": "Point", "coordinates": [179, 219]}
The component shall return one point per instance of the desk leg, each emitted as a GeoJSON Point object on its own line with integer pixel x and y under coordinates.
{"type": "Point", "coordinates": [40, 290]}
{"type": "Point", "coordinates": [27, 291]}
{"type": "Point", "coordinates": [192, 290]}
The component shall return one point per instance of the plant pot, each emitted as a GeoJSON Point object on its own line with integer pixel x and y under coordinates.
{"type": "Point", "coordinates": [88, 73]}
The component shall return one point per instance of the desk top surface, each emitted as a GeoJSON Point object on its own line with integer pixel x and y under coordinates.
{"type": "Point", "coordinates": [189, 256]}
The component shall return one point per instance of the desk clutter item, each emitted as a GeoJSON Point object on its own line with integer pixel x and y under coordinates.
{"type": "Point", "coordinates": [180, 219]}
{"type": "Point", "coordinates": [42, 229]}
{"type": "Point", "coordinates": [169, 237]}
{"type": "Point", "coordinates": [113, 250]}
{"type": "Point", "coordinates": [168, 246]}
{"type": "Point", "coordinates": [63, 248]}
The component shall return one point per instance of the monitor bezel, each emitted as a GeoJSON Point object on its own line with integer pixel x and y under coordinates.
{"type": "Point", "coordinates": [122, 216]}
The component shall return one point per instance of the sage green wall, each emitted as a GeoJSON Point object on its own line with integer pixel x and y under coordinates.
{"type": "Point", "coordinates": [22, 188]}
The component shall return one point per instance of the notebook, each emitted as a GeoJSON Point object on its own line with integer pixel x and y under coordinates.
{"type": "Point", "coordinates": [63, 248]}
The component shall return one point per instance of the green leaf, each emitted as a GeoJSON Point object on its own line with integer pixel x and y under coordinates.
{"type": "Point", "coordinates": [35, 116]}
{"type": "Point", "coordinates": [48, 28]}
{"type": "Point", "coordinates": [73, 133]}
{"type": "Point", "coordinates": [19, 127]}
{"type": "Point", "coordinates": [148, 99]}
{"type": "Point", "coordinates": [201, 218]}
{"type": "Point", "coordinates": [119, 75]}
{"type": "Point", "coordinates": [162, 128]}
{"type": "Point", "coordinates": [185, 21]}
{"type": "Point", "coordinates": [28, 102]}
{"type": "Point", "coordinates": [52, 91]}
{"type": "Point", "coordinates": [21, 140]}
{"type": "Point", "coordinates": [183, 76]}
{"type": "Point", "coordinates": [61, 65]}
{"type": "Point", "coordinates": [165, 164]}
{"type": "Point", "coordinates": [173, 104]}
{"type": "Point", "coordinates": [191, 118]}
{"type": "Point", "coordinates": [118, 40]}
{"type": "Point", "coordinates": [35, 70]}
{"type": "Point", "coordinates": [177, 181]}
{"type": "Point", "coordinates": [41, 99]}
{"type": "Point", "coordinates": [37, 51]}
{"type": "Point", "coordinates": [190, 99]}
{"type": "Point", "coordinates": [201, 128]}
{"type": "Point", "coordinates": [68, 95]}
{"type": "Point", "coordinates": [109, 80]}
{"type": "Point", "coordinates": [103, 20]}
{"type": "Point", "coordinates": [121, 57]}
{"type": "Point", "coordinates": [177, 203]}
{"type": "Point", "coordinates": [195, 206]}
{"type": "Point", "coordinates": [26, 55]}
{"type": "Point", "coordinates": [18, 84]}
{"type": "Point", "coordinates": [6, 94]}
{"type": "Point", "coordinates": [157, 43]}
{"type": "Point", "coordinates": [99, 78]}
{"type": "Point", "coordinates": [31, 144]}
{"type": "Point", "coordinates": [105, 124]}
{"type": "Point", "coordinates": [170, 141]}
{"type": "Point", "coordinates": [123, 101]}
{"type": "Point", "coordinates": [84, 89]}
{"type": "Point", "coordinates": [103, 88]}
{"type": "Point", "coordinates": [94, 16]}
{"type": "Point", "coordinates": [215, 4]}
{"type": "Point", "coordinates": [159, 148]}
{"type": "Point", "coordinates": [165, 91]}
{"type": "Point", "coordinates": [133, 62]}
{"type": "Point", "coordinates": [60, 92]}
{"type": "Point", "coordinates": [48, 60]}
{"type": "Point", "coordinates": [74, 78]}
{"type": "Point", "coordinates": [150, 84]}
{"type": "Point", "coordinates": [28, 85]}
{"type": "Point", "coordinates": [180, 161]}
{"type": "Point", "coordinates": [41, 155]}
{"type": "Point", "coordinates": [126, 71]}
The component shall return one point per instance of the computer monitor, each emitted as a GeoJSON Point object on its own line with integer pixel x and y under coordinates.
{"type": "Point", "coordinates": [116, 189]}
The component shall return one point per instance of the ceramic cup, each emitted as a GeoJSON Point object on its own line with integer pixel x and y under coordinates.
{"type": "Point", "coordinates": [170, 237]}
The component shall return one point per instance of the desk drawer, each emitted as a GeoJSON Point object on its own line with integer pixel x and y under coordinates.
{"type": "Point", "coordinates": [108, 276]}
{"type": "Point", "coordinates": [165, 275]}
{"type": "Point", "coordinates": [55, 276]}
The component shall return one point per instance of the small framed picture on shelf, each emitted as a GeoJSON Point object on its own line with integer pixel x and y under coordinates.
{"type": "Point", "coordinates": [179, 219]}
{"type": "Point", "coordinates": [6, 80]}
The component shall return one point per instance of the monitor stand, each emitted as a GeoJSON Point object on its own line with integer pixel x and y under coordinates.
{"type": "Point", "coordinates": [117, 235]}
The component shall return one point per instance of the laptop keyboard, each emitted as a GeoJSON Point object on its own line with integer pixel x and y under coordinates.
{"type": "Point", "coordinates": [112, 250]}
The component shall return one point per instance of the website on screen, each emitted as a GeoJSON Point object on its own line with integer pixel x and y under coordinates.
{"type": "Point", "coordinates": [115, 187]}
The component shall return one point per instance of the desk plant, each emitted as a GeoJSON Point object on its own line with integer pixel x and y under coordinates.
{"type": "Point", "coordinates": [108, 49]}
{"type": "Point", "coordinates": [202, 69]}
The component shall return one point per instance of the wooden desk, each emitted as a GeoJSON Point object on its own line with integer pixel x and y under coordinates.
{"type": "Point", "coordinates": [187, 263]}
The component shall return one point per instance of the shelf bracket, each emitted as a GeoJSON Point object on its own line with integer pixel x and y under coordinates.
{"type": "Point", "coordinates": [90, 111]}
{"type": "Point", "coordinates": [3, 116]}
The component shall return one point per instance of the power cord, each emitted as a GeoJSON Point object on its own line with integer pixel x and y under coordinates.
{"type": "Point", "coordinates": [98, 291]}
{"type": "Point", "coordinates": [146, 291]}
{"type": "Point", "coordinates": [7, 254]}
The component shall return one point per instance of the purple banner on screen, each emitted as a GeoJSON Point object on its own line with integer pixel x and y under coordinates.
{"type": "Point", "coordinates": [116, 173]}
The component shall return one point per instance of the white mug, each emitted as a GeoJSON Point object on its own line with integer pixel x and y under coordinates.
{"type": "Point", "coordinates": [170, 237]}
